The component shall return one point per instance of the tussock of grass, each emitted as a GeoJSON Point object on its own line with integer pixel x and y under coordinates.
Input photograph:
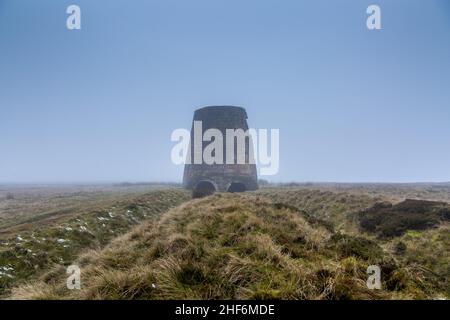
{"type": "Point", "coordinates": [234, 246]}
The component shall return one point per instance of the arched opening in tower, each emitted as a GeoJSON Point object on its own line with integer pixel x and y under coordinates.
{"type": "Point", "coordinates": [237, 187]}
{"type": "Point", "coordinates": [203, 189]}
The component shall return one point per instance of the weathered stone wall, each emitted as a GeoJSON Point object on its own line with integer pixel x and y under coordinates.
{"type": "Point", "coordinates": [221, 175]}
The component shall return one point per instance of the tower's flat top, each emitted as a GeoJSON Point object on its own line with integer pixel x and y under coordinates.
{"type": "Point", "coordinates": [221, 109]}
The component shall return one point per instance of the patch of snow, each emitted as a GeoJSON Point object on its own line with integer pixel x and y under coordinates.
{"type": "Point", "coordinates": [4, 274]}
{"type": "Point", "coordinates": [7, 268]}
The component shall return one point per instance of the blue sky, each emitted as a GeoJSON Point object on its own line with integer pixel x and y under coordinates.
{"type": "Point", "coordinates": [99, 104]}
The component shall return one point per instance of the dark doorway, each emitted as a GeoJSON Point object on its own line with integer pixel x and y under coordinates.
{"type": "Point", "coordinates": [203, 189]}
{"type": "Point", "coordinates": [236, 187]}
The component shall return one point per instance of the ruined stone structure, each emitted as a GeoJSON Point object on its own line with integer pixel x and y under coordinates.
{"type": "Point", "coordinates": [205, 179]}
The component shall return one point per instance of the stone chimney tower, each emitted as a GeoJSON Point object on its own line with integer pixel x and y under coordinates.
{"type": "Point", "coordinates": [204, 179]}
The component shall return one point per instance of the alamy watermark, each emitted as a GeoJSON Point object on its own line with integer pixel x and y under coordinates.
{"type": "Point", "coordinates": [374, 20]}
{"type": "Point", "coordinates": [73, 21]}
{"type": "Point", "coordinates": [374, 279]}
{"type": "Point", "coordinates": [237, 147]}
{"type": "Point", "coordinates": [74, 280]}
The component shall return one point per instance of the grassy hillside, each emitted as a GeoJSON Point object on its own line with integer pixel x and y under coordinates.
{"type": "Point", "coordinates": [25, 207]}
{"type": "Point", "coordinates": [258, 246]}
{"type": "Point", "coordinates": [29, 251]}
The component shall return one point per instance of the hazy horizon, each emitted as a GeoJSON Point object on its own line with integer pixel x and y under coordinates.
{"type": "Point", "coordinates": [112, 182]}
